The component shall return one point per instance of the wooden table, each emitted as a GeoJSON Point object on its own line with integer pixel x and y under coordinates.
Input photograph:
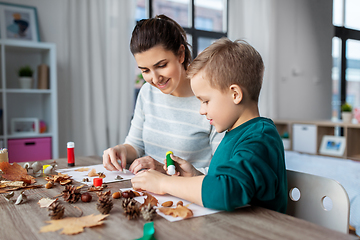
{"type": "Point", "coordinates": [25, 220]}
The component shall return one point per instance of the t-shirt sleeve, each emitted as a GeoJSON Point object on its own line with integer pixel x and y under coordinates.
{"type": "Point", "coordinates": [134, 137]}
{"type": "Point", "coordinates": [237, 181]}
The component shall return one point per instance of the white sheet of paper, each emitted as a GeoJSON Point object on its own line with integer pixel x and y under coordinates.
{"type": "Point", "coordinates": [196, 209]}
{"type": "Point", "coordinates": [110, 175]}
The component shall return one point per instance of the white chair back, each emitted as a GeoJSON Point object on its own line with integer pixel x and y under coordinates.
{"type": "Point", "coordinates": [319, 200]}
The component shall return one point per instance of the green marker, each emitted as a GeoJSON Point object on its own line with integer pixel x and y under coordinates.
{"type": "Point", "coordinates": [170, 164]}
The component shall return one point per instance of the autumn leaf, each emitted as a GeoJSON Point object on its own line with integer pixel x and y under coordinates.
{"type": "Point", "coordinates": [73, 225]}
{"type": "Point", "coordinates": [83, 169]}
{"type": "Point", "coordinates": [179, 211]}
{"type": "Point", "coordinates": [15, 172]}
{"type": "Point", "coordinates": [92, 173]}
{"type": "Point", "coordinates": [150, 199]}
{"type": "Point", "coordinates": [46, 202]}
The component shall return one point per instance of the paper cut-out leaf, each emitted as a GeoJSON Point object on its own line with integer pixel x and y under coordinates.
{"type": "Point", "coordinates": [46, 202]}
{"type": "Point", "coordinates": [73, 225]}
{"type": "Point", "coordinates": [15, 172]}
{"type": "Point", "coordinates": [92, 173]}
{"type": "Point", "coordinates": [179, 211]}
{"type": "Point", "coordinates": [83, 169]}
{"type": "Point", "coordinates": [150, 199]}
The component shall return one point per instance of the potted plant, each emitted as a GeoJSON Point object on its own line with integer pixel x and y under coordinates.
{"type": "Point", "coordinates": [139, 81]}
{"type": "Point", "coordinates": [346, 113]}
{"type": "Point", "coordinates": [25, 77]}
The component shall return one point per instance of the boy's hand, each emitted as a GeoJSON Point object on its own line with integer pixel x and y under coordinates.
{"type": "Point", "coordinates": [183, 168]}
{"type": "Point", "coordinates": [149, 180]}
{"type": "Point", "coordinates": [146, 162]}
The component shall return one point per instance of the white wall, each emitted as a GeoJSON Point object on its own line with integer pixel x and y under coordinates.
{"type": "Point", "coordinates": [304, 61]}
{"type": "Point", "coordinates": [304, 46]}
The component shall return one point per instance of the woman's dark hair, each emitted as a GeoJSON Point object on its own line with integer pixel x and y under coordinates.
{"type": "Point", "coordinates": [160, 30]}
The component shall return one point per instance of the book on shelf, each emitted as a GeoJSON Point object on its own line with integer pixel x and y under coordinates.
{"type": "Point", "coordinates": [43, 76]}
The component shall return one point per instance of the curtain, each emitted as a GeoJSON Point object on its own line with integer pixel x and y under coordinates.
{"type": "Point", "coordinates": [254, 21]}
{"type": "Point", "coordinates": [99, 72]}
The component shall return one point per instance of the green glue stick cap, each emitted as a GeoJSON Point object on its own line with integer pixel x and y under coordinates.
{"type": "Point", "coordinates": [170, 163]}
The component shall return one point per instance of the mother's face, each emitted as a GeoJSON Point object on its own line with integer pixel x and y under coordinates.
{"type": "Point", "coordinates": [161, 68]}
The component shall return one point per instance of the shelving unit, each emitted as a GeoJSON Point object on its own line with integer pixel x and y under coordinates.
{"type": "Point", "coordinates": [27, 103]}
{"type": "Point", "coordinates": [351, 132]}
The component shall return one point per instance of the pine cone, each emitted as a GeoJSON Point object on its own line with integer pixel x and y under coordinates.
{"type": "Point", "coordinates": [104, 204]}
{"type": "Point", "coordinates": [148, 212]}
{"type": "Point", "coordinates": [71, 194]}
{"type": "Point", "coordinates": [131, 208]}
{"type": "Point", "coordinates": [56, 210]}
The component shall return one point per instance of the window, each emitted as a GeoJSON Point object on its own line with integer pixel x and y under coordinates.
{"type": "Point", "coordinates": [203, 20]}
{"type": "Point", "coordinates": [346, 54]}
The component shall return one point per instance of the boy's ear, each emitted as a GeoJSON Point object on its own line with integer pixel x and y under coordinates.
{"type": "Point", "coordinates": [236, 93]}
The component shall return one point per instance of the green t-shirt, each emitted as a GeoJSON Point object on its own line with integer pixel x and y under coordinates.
{"type": "Point", "coordinates": [248, 167]}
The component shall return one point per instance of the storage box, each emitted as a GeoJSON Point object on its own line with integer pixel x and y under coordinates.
{"type": "Point", "coordinates": [29, 149]}
{"type": "Point", "coordinates": [304, 138]}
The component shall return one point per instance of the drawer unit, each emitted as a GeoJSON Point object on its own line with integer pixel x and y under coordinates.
{"type": "Point", "coordinates": [304, 138]}
{"type": "Point", "coordinates": [29, 149]}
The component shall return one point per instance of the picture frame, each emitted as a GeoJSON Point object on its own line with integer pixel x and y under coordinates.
{"type": "Point", "coordinates": [24, 126]}
{"type": "Point", "coordinates": [19, 22]}
{"type": "Point", "coordinates": [333, 145]}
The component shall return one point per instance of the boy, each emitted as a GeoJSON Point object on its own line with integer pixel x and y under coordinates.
{"type": "Point", "coordinates": [248, 166]}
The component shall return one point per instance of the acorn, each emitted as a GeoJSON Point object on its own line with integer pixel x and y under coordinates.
{"type": "Point", "coordinates": [86, 197]}
{"type": "Point", "coordinates": [49, 185]}
{"type": "Point", "coordinates": [116, 195]}
{"type": "Point", "coordinates": [167, 204]}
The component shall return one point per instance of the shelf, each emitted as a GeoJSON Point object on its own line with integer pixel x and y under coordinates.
{"type": "Point", "coordinates": [14, 90]}
{"type": "Point", "coordinates": [351, 133]}
{"type": "Point", "coordinates": [17, 102]}
{"type": "Point", "coordinates": [28, 135]}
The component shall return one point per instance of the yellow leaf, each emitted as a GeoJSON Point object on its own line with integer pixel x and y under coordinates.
{"type": "Point", "coordinates": [73, 225]}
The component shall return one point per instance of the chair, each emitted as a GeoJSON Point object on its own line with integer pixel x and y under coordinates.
{"type": "Point", "coordinates": [309, 200]}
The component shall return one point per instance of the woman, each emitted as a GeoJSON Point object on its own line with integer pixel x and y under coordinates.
{"type": "Point", "coordinates": [166, 116]}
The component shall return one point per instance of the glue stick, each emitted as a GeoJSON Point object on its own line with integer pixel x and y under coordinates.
{"type": "Point", "coordinates": [170, 163]}
{"type": "Point", "coordinates": [71, 154]}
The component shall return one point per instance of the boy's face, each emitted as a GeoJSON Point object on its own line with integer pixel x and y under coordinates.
{"type": "Point", "coordinates": [218, 106]}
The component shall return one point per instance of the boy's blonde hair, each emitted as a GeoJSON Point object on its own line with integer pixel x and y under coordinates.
{"type": "Point", "coordinates": [226, 62]}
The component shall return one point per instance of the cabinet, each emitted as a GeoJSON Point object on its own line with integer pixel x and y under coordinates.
{"type": "Point", "coordinates": [32, 103]}
{"type": "Point", "coordinates": [319, 129]}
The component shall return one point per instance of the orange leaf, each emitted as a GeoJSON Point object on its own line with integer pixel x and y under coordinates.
{"type": "Point", "coordinates": [73, 225]}
{"type": "Point", "coordinates": [15, 172]}
{"type": "Point", "coordinates": [150, 199]}
{"type": "Point", "coordinates": [179, 211]}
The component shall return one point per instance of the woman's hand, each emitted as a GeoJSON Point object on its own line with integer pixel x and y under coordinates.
{"type": "Point", "coordinates": [111, 157]}
{"type": "Point", "coordinates": [149, 180]}
{"type": "Point", "coordinates": [183, 167]}
{"type": "Point", "coordinates": [146, 162]}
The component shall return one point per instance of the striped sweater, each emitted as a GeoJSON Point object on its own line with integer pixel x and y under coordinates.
{"type": "Point", "coordinates": [163, 122]}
